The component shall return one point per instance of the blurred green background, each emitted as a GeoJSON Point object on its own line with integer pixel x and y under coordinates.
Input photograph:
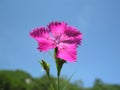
{"type": "Point", "coordinates": [20, 80]}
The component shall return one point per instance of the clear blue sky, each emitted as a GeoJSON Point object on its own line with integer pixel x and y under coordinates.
{"type": "Point", "coordinates": [98, 20]}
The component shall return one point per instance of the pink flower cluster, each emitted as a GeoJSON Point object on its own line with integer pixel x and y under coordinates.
{"type": "Point", "coordinates": [61, 36]}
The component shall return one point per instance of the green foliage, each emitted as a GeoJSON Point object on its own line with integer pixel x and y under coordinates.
{"type": "Point", "coordinates": [20, 80]}
{"type": "Point", "coordinates": [13, 80]}
{"type": "Point", "coordinates": [99, 85]}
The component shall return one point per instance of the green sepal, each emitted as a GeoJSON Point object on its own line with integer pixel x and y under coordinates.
{"type": "Point", "coordinates": [59, 62]}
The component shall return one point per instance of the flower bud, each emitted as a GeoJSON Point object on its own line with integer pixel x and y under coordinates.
{"type": "Point", "coordinates": [46, 67]}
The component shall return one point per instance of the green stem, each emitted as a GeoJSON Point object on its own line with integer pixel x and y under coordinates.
{"type": "Point", "coordinates": [58, 82]}
{"type": "Point", "coordinates": [59, 64]}
{"type": "Point", "coordinates": [51, 85]}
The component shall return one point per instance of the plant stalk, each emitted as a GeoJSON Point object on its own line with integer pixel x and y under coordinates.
{"type": "Point", "coordinates": [51, 85]}
{"type": "Point", "coordinates": [58, 82]}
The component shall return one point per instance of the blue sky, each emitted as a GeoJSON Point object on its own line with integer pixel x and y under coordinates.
{"type": "Point", "coordinates": [98, 20]}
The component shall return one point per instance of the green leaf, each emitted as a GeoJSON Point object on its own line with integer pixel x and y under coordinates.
{"type": "Point", "coordinates": [67, 82]}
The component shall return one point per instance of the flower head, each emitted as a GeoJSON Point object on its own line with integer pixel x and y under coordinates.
{"type": "Point", "coordinates": [61, 36]}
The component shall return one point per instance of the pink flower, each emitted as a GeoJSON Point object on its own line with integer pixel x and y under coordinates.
{"type": "Point", "coordinates": [61, 36]}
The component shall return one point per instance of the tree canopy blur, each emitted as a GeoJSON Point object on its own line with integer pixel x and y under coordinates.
{"type": "Point", "coordinates": [20, 80]}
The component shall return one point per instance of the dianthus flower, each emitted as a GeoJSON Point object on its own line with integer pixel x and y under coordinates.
{"type": "Point", "coordinates": [61, 36]}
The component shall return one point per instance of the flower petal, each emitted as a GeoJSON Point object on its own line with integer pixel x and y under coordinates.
{"type": "Point", "coordinates": [45, 45]}
{"type": "Point", "coordinates": [71, 31]}
{"type": "Point", "coordinates": [45, 42]}
{"type": "Point", "coordinates": [40, 33]}
{"type": "Point", "coordinates": [71, 40]}
{"type": "Point", "coordinates": [57, 28]}
{"type": "Point", "coordinates": [67, 52]}
{"type": "Point", "coordinates": [71, 36]}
